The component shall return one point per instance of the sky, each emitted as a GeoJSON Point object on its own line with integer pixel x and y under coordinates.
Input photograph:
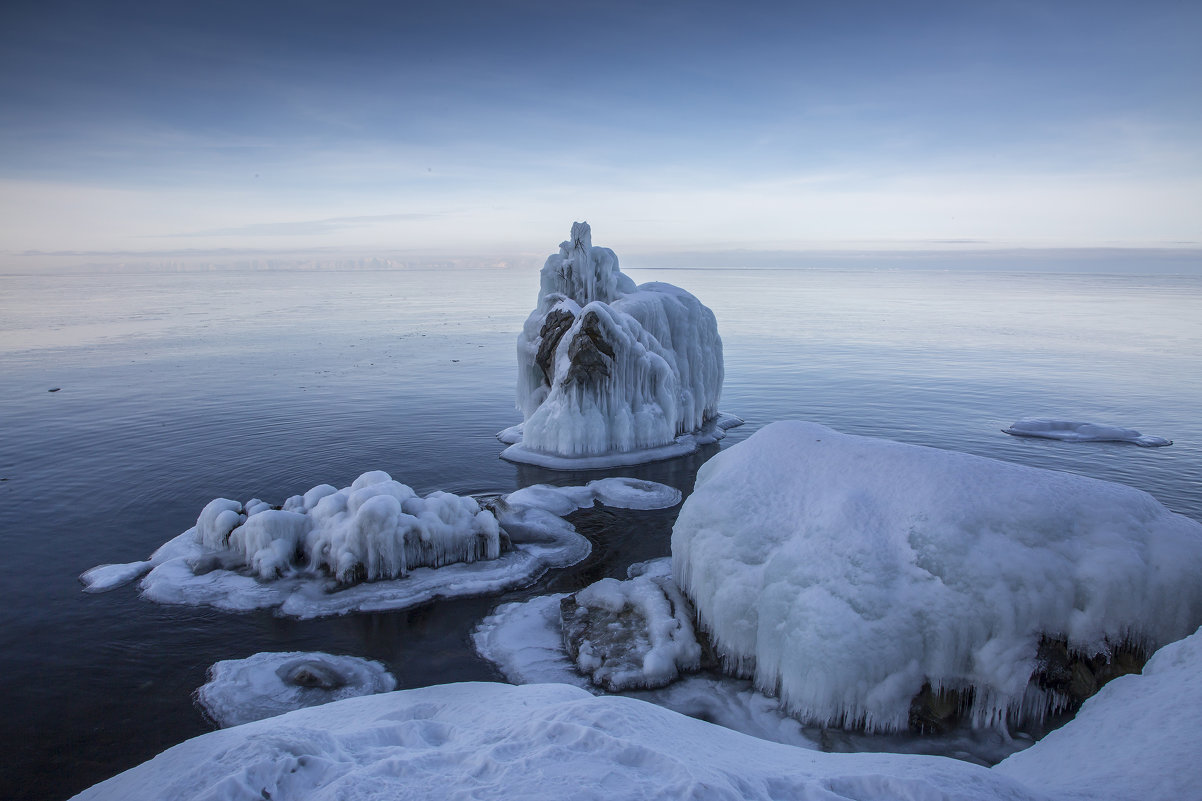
{"type": "Point", "coordinates": [488, 127]}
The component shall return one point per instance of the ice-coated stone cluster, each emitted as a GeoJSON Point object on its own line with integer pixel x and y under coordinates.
{"type": "Point", "coordinates": [373, 545]}
{"type": "Point", "coordinates": [846, 573]}
{"type": "Point", "coordinates": [633, 633]}
{"type": "Point", "coordinates": [263, 685]}
{"type": "Point", "coordinates": [610, 373]}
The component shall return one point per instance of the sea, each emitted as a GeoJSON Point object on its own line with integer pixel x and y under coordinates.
{"type": "Point", "coordinates": [128, 401]}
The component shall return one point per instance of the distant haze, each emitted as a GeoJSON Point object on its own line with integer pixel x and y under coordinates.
{"type": "Point", "coordinates": [474, 133]}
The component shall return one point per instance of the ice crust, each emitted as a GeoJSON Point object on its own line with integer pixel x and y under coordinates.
{"type": "Point", "coordinates": [373, 545]}
{"type": "Point", "coordinates": [1071, 431]}
{"type": "Point", "coordinates": [843, 572]}
{"type": "Point", "coordinates": [263, 685]}
{"type": "Point", "coordinates": [610, 373]}
{"type": "Point", "coordinates": [546, 741]}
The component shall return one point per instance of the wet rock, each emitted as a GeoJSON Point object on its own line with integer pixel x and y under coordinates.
{"type": "Point", "coordinates": [310, 673]}
{"type": "Point", "coordinates": [555, 325]}
{"type": "Point", "coordinates": [591, 356]}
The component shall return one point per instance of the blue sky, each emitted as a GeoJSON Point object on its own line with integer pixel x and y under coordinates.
{"type": "Point", "coordinates": [489, 127]}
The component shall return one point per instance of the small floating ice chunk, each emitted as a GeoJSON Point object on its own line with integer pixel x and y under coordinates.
{"type": "Point", "coordinates": [610, 374]}
{"type": "Point", "coordinates": [1071, 431]}
{"type": "Point", "coordinates": [844, 572]}
{"type": "Point", "coordinates": [620, 493]}
{"type": "Point", "coordinates": [267, 684]}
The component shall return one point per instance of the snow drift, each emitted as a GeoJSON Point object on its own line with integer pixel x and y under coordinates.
{"type": "Point", "coordinates": [611, 374]}
{"type": "Point", "coordinates": [267, 684]}
{"type": "Point", "coordinates": [1072, 431]}
{"type": "Point", "coordinates": [843, 573]}
{"type": "Point", "coordinates": [544, 741]}
{"type": "Point", "coordinates": [373, 545]}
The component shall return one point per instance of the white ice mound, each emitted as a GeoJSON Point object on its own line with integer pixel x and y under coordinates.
{"type": "Point", "coordinates": [543, 741]}
{"type": "Point", "coordinates": [1139, 737]}
{"type": "Point", "coordinates": [267, 684]}
{"type": "Point", "coordinates": [370, 546]}
{"type": "Point", "coordinates": [610, 374]}
{"type": "Point", "coordinates": [633, 633]}
{"type": "Point", "coordinates": [1071, 431]}
{"type": "Point", "coordinates": [843, 572]}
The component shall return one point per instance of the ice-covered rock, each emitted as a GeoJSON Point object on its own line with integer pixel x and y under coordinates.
{"type": "Point", "coordinates": [373, 545]}
{"type": "Point", "coordinates": [263, 685]}
{"type": "Point", "coordinates": [1071, 431]}
{"type": "Point", "coordinates": [633, 633]}
{"type": "Point", "coordinates": [612, 374]}
{"type": "Point", "coordinates": [533, 742]}
{"type": "Point", "coordinates": [1139, 737]}
{"type": "Point", "coordinates": [844, 573]}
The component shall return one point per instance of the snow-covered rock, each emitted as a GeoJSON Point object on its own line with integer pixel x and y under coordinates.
{"type": "Point", "coordinates": [267, 684]}
{"type": "Point", "coordinates": [1072, 431]}
{"type": "Point", "coordinates": [1139, 737]}
{"type": "Point", "coordinates": [613, 374]}
{"type": "Point", "coordinates": [544, 741]}
{"type": "Point", "coordinates": [370, 546]}
{"type": "Point", "coordinates": [844, 573]}
{"type": "Point", "coordinates": [633, 633]}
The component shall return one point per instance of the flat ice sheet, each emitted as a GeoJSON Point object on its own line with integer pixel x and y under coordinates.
{"type": "Point", "coordinates": [1072, 431]}
{"type": "Point", "coordinates": [544, 741]}
{"type": "Point", "coordinates": [267, 684]}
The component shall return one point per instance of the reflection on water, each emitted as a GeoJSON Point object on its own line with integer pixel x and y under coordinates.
{"type": "Point", "coordinates": [179, 388]}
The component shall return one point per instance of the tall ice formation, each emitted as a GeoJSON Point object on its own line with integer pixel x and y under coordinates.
{"type": "Point", "coordinates": [610, 373]}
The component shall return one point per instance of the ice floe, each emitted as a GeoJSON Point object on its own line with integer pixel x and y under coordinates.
{"type": "Point", "coordinates": [613, 374]}
{"type": "Point", "coordinates": [371, 546]}
{"type": "Point", "coordinates": [544, 741]}
{"type": "Point", "coordinates": [267, 684]}
{"type": "Point", "coordinates": [1072, 431]}
{"type": "Point", "coordinates": [844, 573]}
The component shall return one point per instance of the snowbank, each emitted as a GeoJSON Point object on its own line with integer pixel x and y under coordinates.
{"type": "Point", "coordinates": [844, 572]}
{"type": "Point", "coordinates": [268, 684]}
{"type": "Point", "coordinates": [610, 374]}
{"type": "Point", "coordinates": [371, 546]}
{"type": "Point", "coordinates": [546, 741]}
{"type": "Point", "coordinates": [1139, 737]}
{"type": "Point", "coordinates": [1071, 431]}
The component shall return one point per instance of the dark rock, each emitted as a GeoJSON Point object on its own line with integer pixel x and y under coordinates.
{"type": "Point", "coordinates": [310, 673]}
{"type": "Point", "coordinates": [555, 325]}
{"type": "Point", "coordinates": [590, 354]}
{"type": "Point", "coordinates": [936, 712]}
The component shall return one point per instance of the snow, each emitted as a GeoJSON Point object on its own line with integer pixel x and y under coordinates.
{"type": "Point", "coordinates": [633, 633]}
{"type": "Point", "coordinates": [1139, 737]}
{"type": "Point", "coordinates": [371, 546]}
{"type": "Point", "coordinates": [843, 572]}
{"type": "Point", "coordinates": [610, 374]}
{"type": "Point", "coordinates": [267, 684]}
{"type": "Point", "coordinates": [545, 741]}
{"type": "Point", "coordinates": [1071, 431]}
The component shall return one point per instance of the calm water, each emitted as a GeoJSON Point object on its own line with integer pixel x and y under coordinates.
{"type": "Point", "coordinates": [178, 388]}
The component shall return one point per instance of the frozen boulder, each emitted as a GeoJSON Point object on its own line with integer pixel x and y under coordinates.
{"type": "Point", "coordinates": [267, 684]}
{"type": "Point", "coordinates": [1072, 431]}
{"type": "Point", "coordinates": [610, 373]}
{"type": "Point", "coordinates": [846, 573]}
{"type": "Point", "coordinates": [633, 633]}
